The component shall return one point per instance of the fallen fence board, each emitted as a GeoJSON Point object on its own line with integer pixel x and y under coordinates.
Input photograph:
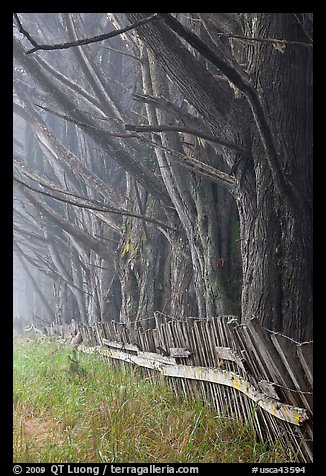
{"type": "Point", "coordinates": [225, 353]}
{"type": "Point", "coordinates": [150, 360]}
{"type": "Point", "coordinates": [120, 345]}
{"type": "Point", "coordinates": [305, 354]}
{"type": "Point", "coordinates": [269, 388]}
{"type": "Point", "coordinates": [179, 352]}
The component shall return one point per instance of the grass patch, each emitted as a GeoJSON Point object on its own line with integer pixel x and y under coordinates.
{"type": "Point", "coordinates": [72, 407]}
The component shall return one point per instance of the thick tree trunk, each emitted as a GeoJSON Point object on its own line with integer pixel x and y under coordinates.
{"type": "Point", "coordinates": [277, 237]}
{"type": "Point", "coordinates": [200, 211]}
{"type": "Point", "coordinates": [274, 187]}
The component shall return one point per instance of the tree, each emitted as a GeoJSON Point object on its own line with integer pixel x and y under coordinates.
{"type": "Point", "coordinates": [214, 144]}
{"type": "Point", "coordinates": [274, 186]}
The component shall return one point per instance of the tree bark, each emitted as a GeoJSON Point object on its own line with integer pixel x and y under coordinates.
{"type": "Point", "coordinates": [281, 287]}
{"type": "Point", "coordinates": [273, 197]}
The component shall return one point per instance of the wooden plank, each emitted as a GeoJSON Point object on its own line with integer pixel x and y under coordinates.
{"type": "Point", "coordinates": [163, 339]}
{"type": "Point", "coordinates": [82, 329]}
{"type": "Point", "coordinates": [187, 385]}
{"type": "Point", "coordinates": [287, 351]}
{"type": "Point", "coordinates": [274, 427]}
{"type": "Point", "coordinates": [248, 406]}
{"type": "Point", "coordinates": [199, 351]}
{"type": "Point", "coordinates": [217, 390]}
{"type": "Point", "coordinates": [305, 354]}
{"type": "Point", "coordinates": [231, 396]}
{"type": "Point", "coordinates": [140, 334]}
{"type": "Point", "coordinates": [179, 352]}
{"type": "Point", "coordinates": [99, 332]}
{"type": "Point", "coordinates": [285, 412]}
{"type": "Point", "coordinates": [226, 353]}
{"type": "Point", "coordinates": [120, 345]}
{"type": "Point", "coordinates": [268, 388]}
{"type": "Point", "coordinates": [244, 346]}
{"type": "Point", "coordinates": [208, 360]}
{"type": "Point", "coordinates": [239, 399]}
{"type": "Point", "coordinates": [157, 358]}
{"type": "Point", "coordinates": [150, 340]}
{"type": "Point", "coordinates": [269, 362]}
{"type": "Point", "coordinates": [105, 333]}
{"type": "Point", "coordinates": [94, 336]}
{"type": "Point", "coordinates": [89, 337]}
{"type": "Point", "coordinates": [288, 413]}
{"type": "Point", "coordinates": [224, 400]}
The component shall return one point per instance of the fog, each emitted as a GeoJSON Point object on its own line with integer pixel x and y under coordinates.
{"type": "Point", "coordinates": [61, 250]}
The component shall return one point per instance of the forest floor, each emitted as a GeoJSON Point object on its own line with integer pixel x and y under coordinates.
{"type": "Point", "coordinates": [72, 407]}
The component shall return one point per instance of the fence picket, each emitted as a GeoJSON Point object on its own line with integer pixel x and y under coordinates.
{"type": "Point", "coordinates": [244, 370]}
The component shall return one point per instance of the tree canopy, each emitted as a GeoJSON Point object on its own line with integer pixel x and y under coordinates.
{"type": "Point", "coordinates": [163, 162]}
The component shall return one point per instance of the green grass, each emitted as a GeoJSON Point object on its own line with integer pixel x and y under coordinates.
{"type": "Point", "coordinates": [73, 407]}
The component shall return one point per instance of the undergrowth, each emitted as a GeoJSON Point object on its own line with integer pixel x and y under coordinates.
{"type": "Point", "coordinates": [73, 407]}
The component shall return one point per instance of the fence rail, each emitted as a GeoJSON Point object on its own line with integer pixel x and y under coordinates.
{"type": "Point", "coordinates": [244, 370]}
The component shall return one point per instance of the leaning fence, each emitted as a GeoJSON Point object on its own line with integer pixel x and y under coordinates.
{"type": "Point", "coordinates": [243, 370]}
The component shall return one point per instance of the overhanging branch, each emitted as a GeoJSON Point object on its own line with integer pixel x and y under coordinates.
{"type": "Point", "coordinates": [187, 130]}
{"type": "Point", "coordinates": [245, 86]}
{"type": "Point", "coordinates": [82, 42]}
{"type": "Point", "coordinates": [276, 42]}
{"type": "Point", "coordinates": [185, 161]}
{"type": "Point", "coordinates": [86, 203]}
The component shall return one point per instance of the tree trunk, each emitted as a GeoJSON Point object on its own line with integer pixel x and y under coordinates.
{"type": "Point", "coordinates": [277, 237]}
{"type": "Point", "coordinates": [274, 186]}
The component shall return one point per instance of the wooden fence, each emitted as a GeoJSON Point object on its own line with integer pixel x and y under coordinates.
{"type": "Point", "coordinates": [244, 370]}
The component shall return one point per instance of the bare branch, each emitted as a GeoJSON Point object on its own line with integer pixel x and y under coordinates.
{"type": "Point", "coordinates": [245, 86]}
{"type": "Point", "coordinates": [86, 124]}
{"type": "Point", "coordinates": [99, 207]}
{"type": "Point", "coordinates": [191, 163]}
{"type": "Point", "coordinates": [187, 130]}
{"type": "Point", "coordinates": [184, 160]}
{"type": "Point", "coordinates": [121, 150]}
{"type": "Point", "coordinates": [275, 41]}
{"type": "Point", "coordinates": [82, 42]}
{"type": "Point", "coordinates": [77, 232]}
{"type": "Point", "coordinates": [303, 27]}
{"type": "Point", "coordinates": [24, 32]}
{"type": "Point", "coordinates": [171, 108]}
{"type": "Point", "coordinates": [122, 53]}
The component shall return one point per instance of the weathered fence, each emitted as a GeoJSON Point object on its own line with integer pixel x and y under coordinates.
{"type": "Point", "coordinates": [244, 370]}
